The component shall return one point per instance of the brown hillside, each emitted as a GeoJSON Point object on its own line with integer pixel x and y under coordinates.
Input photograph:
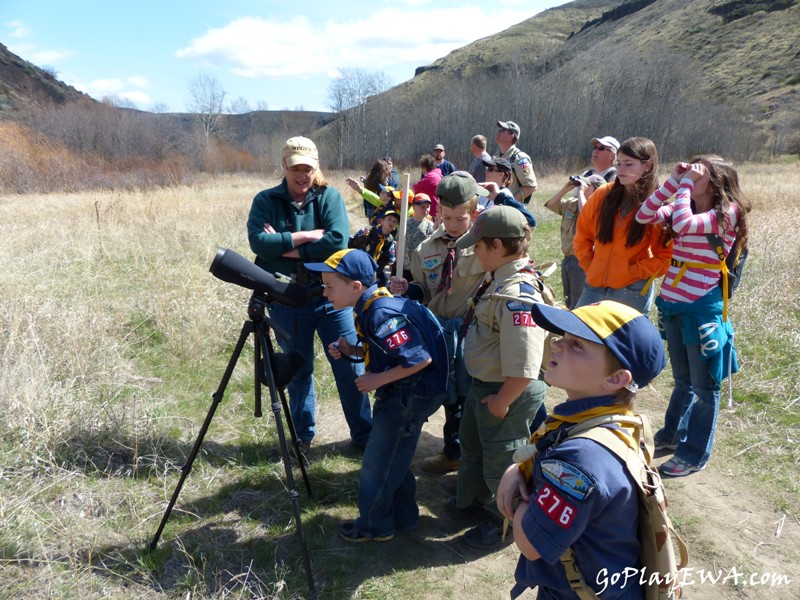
{"type": "Point", "coordinates": [694, 75]}
{"type": "Point", "coordinates": [22, 83]}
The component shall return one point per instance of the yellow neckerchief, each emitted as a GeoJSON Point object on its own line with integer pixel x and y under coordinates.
{"type": "Point", "coordinates": [380, 292]}
{"type": "Point", "coordinates": [554, 421]}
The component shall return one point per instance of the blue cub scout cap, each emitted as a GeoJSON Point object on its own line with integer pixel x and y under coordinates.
{"type": "Point", "coordinates": [352, 263]}
{"type": "Point", "coordinates": [627, 333]}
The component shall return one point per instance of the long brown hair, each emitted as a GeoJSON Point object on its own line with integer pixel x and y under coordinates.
{"type": "Point", "coordinates": [378, 175]}
{"type": "Point", "coordinates": [725, 181]}
{"type": "Point", "coordinates": [620, 197]}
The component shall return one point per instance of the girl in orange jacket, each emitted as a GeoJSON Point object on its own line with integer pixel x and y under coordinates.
{"type": "Point", "coordinates": [620, 256]}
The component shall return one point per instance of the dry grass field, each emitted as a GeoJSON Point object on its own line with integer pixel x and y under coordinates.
{"type": "Point", "coordinates": [114, 336]}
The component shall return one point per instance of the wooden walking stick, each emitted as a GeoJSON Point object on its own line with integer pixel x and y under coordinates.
{"type": "Point", "coordinates": [401, 229]}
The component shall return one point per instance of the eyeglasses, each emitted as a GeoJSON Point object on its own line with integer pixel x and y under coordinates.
{"type": "Point", "coordinates": [601, 148]}
{"type": "Point", "coordinates": [490, 169]}
{"type": "Point", "coordinates": [438, 150]}
{"type": "Point", "coordinates": [503, 130]}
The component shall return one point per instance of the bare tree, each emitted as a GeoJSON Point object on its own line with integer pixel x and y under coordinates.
{"type": "Point", "coordinates": [240, 106]}
{"type": "Point", "coordinates": [347, 96]}
{"type": "Point", "coordinates": [206, 98]}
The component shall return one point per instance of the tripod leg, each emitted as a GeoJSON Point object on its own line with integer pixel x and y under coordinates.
{"type": "Point", "coordinates": [247, 329]}
{"type": "Point", "coordinates": [295, 442]}
{"type": "Point", "coordinates": [262, 337]}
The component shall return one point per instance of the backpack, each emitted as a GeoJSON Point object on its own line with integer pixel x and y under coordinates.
{"type": "Point", "coordinates": [734, 262]}
{"type": "Point", "coordinates": [659, 568]}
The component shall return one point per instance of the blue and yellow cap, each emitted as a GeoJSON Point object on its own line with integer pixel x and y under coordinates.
{"type": "Point", "coordinates": [627, 333]}
{"type": "Point", "coordinates": [353, 264]}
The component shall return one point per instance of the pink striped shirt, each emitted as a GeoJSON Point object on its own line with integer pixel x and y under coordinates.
{"type": "Point", "coordinates": [690, 243]}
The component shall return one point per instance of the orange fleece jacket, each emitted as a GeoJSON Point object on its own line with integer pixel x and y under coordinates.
{"type": "Point", "coordinates": [614, 265]}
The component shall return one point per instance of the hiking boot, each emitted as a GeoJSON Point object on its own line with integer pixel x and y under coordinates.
{"type": "Point", "coordinates": [439, 464]}
{"type": "Point", "coordinates": [350, 532]}
{"type": "Point", "coordinates": [487, 535]}
{"type": "Point", "coordinates": [675, 467]}
{"type": "Point", "coordinates": [474, 511]}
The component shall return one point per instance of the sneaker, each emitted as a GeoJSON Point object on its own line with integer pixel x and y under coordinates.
{"type": "Point", "coordinates": [439, 464]}
{"type": "Point", "coordinates": [487, 535]}
{"type": "Point", "coordinates": [474, 511]}
{"type": "Point", "coordinates": [350, 532]}
{"type": "Point", "coordinates": [675, 467]}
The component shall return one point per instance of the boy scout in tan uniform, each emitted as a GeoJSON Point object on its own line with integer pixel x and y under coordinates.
{"type": "Point", "coordinates": [444, 279]}
{"type": "Point", "coordinates": [503, 353]}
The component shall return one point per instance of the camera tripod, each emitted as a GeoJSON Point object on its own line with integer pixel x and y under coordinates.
{"type": "Point", "coordinates": [275, 374]}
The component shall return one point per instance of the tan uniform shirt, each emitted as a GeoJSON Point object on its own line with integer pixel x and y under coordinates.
{"type": "Point", "coordinates": [523, 171]}
{"type": "Point", "coordinates": [568, 209]}
{"type": "Point", "coordinates": [502, 340]}
{"type": "Point", "coordinates": [426, 267]}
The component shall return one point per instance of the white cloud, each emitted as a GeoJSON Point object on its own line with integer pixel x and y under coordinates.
{"type": "Point", "coordinates": [390, 39]}
{"type": "Point", "coordinates": [138, 81]}
{"type": "Point", "coordinates": [139, 98]}
{"type": "Point", "coordinates": [18, 29]}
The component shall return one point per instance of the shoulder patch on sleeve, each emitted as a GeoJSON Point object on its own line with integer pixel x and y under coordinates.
{"type": "Point", "coordinates": [524, 162]}
{"type": "Point", "coordinates": [568, 478]}
{"type": "Point", "coordinates": [431, 262]}
{"type": "Point", "coordinates": [390, 326]}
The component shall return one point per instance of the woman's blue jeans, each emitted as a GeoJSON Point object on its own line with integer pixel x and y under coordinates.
{"type": "Point", "coordinates": [630, 295]}
{"type": "Point", "coordinates": [387, 489]}
{"type": "Point", "coordinates": [301, 323]}
{"type": "Point", "coordinates": [691, 416]}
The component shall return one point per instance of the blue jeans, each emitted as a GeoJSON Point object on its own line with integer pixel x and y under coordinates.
{"type": "Point", "coordinates": [630, 295]}
{"type": "Point", "coordinates": [387, 489]}
{"type": "Point", "coordinates": [573, 278]}
{"type": "Point", "coordinates": [691, 416]}
{"type": "Point", "coordinates": [317, 315]}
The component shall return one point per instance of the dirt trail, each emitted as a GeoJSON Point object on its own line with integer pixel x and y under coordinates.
{"type": "Point", "coordinates": [734, 536]}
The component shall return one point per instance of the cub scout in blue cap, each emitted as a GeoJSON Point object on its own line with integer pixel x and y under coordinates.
{"type": "Point", "coordinates": [406, 364]}
{"type": "Point", "coordinates": [503, 351]}
{"type": "Point", "coordinates": [577, 494]}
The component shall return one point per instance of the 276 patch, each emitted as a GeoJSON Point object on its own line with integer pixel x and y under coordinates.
{"type": "Point", "coordinates": [555, 507]}
{"type": "Point", "coordinates": [398, 338]}
{"type": "Point", "coordinates": [567, 478]}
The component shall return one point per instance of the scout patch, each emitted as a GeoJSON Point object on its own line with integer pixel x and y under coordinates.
{"type": "Point", "coordinates": [568, 478]}
{"type": "Point", "coordinates": [390, 326]}
{"type": "Point", "coordinates": [393, 332]}
{"type": "Point", "coordinates": [431, 262]}
{"type": "Point", "coordinates": [555, 507]}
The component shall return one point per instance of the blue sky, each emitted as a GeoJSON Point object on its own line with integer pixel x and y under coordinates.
{"type": "Point", "coordinates": [274, 54]}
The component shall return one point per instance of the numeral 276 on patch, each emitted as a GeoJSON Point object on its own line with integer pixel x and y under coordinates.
{"type": "Point", "coordinates": [554, 506]}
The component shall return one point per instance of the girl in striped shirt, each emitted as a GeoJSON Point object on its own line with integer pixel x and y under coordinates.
{"type": "Point", "coordinates": [692, 315]}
